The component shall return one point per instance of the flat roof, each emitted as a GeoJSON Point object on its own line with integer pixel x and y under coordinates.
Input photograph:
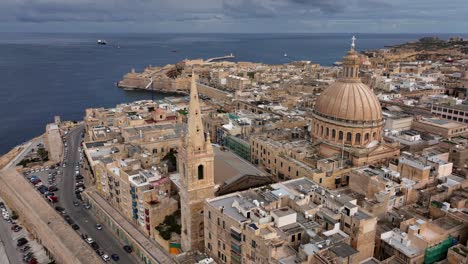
{"type": "Point", "coordinates": [229, 166]}
{"type": "Point", "coordinates": [343, 250]}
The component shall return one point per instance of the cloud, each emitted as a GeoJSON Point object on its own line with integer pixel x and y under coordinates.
{"type": "Point", "coordinates": [241, 15]}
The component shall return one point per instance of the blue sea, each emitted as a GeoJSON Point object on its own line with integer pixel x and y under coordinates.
{"type": "Point", "coordinates": [43, 75]}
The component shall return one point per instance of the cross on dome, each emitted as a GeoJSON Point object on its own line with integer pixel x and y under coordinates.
{"type": "Point", "coordinates": [353, 44]}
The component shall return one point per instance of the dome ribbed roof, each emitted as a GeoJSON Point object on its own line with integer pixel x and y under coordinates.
{"type": "Point", "coordinates": [349, 100]}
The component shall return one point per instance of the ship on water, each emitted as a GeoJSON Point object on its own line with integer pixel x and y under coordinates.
{"type": "Point", "coordinates": [101, 42]}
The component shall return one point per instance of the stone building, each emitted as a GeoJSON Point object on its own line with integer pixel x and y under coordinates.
{"type": "Point", "coordinates": [347, 117]}
{"type": "Point", "coordinates": [295, 221]}
{"type": "Point", "coordinates": [441, 127]}
{"type": "Point", "coordinates": [196, 167]}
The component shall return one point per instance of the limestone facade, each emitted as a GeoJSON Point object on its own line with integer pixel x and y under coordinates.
{"type": "Point", "coordinates": [196, 166]}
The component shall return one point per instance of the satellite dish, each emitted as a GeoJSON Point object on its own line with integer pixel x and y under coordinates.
{"type": "Point", "coordinates": [372, 144]}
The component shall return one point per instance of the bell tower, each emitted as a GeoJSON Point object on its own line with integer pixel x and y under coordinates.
{"type": "Point", "coordinates": [196, 168]}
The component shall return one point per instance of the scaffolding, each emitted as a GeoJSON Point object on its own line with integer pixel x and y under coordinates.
{"type": "Point", "coordinates": [438, 252]}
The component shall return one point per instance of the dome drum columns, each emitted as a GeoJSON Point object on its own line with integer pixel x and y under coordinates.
{"type": "Point", "coordinates": [338, 135]}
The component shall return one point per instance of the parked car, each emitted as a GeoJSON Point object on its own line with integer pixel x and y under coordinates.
{"type": "Point", "coordinates": [16, 228]}
{"type": "Point", "coordinates": [128, 249]}
{"type": "Point", "coordinates": [86, 206]}
{"type": "Point", "coordinates": [98, 226]}
{"type": "Point", "coordinates": [25, 249]}
{"type": "Point", "coordinates": [21, 242]}
{"type": "Point", "coordinates": [53, 189]}
{"type": "Point", "coordinates": [60, 209]}
{"type": "Point", "coordinates": [69, 221]}
{"type": "Point", "coordinates": [105, 257]}
{"type": "Point", "coordinates": [115, 257]}
{"type": "Point", "coordinates": [95, 245]}
{"type": "Point", "coordinates": [89, 240]}
{"type": "Point", "coordinates": [76, 203]}
{"type": "Point", "coordinates": [84, 236]}
{"type": "Point", "coordinates": [75, 227]}
{"type": "Point", "coordinates": [53, 199]}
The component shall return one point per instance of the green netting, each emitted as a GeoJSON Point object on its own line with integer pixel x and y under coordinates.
{"type": "Point", "coordinates": [438, 252]}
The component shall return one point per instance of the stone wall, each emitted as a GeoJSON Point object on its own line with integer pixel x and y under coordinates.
{"type": "Point", "coordinates": [43, 221]}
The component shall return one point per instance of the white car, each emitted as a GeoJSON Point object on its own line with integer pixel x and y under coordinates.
{"type": "Point", "coordinates": [6, 216]}
{"type": "Point", "coordinates": [105, 257]}
{"type": "Point", "coordinates": [77, 172]}
{"type": "Point", "coordinates": [89, 240]}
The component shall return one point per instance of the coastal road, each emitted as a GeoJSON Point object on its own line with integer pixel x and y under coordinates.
{"type": "Point", "coordinates": [81, 216]}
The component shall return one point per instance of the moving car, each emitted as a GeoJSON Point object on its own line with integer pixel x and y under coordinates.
{"type": "Point", "coordinates": [76, 203]}
{"type": "Point", "coordinates": [98, 226]}
{"type": "Point", "coordinates": [128, 248]}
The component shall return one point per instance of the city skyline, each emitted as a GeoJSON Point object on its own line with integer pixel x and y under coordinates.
{"type": "Point", "coordinates": [234, 16]}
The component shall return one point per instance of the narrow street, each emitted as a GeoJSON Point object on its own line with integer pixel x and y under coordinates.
{"type": "Point", "coordinates": [81, 216]}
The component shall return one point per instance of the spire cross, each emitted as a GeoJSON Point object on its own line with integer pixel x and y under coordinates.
{"type": "Point", "coordinates": [353, 44]}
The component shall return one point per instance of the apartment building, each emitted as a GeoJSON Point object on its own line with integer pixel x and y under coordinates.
{"type": "Point", "coordinates": [295, 221]}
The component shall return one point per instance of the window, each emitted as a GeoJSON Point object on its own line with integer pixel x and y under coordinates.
{"type": "Point", "coordinates": [349, 136]}
{"type": "Point", "coordinates": [333, 133]}
{"type": "Point", "coordinates": [328, 131]}
{"type": "Point", "coordinates": [366, 137]}
{"type": "Point", "coordinates": [358, 138]}
{"type": "Point", "coordinates": [374, 136]}
{"type": "Point", "coordinates": [293, 238]}
{"type": "Point", "coordinates": [340, 135]}
{"type": "Point", "coordinates": [299, 236]}
{"type": "Point", "coordinates": [320, 180]}
{"type": "Point", "coordinates": [209, 214]}
{"type": "Point", "coordinates": [254, 244]}
{"type": "Point", "coordinates": [200, 172]}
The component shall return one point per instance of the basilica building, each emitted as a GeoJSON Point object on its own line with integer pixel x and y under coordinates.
{"type": "Point", "coordinates": [347, 119]}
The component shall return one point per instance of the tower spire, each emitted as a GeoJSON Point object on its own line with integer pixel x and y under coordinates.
{"type": "Point", "coordinates": [353, 43]}
{"type": "Point", "coordinates": [195, 138]}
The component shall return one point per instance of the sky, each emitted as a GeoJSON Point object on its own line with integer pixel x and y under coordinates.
{"type": "Point", "coordinates": [235, 16]}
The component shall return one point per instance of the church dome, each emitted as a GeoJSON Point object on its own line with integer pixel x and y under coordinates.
{"type": "Point", "coordinates": [348, 113]}
{"type": "Point", "coordinates": [349, 101]}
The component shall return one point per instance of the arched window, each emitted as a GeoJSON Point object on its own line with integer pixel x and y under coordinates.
{"type": "Point", "coordinates": [333, 133]}
{"type": "Point", "coordinates": [340, 135]}
{"type": "Point", "coordinates": [374, 136]}
{"type": "Point", "coordinates": [366, 137]}
{"type": "Point", "coordinates": [321, 131]}
{"type": "Point", "coordinates": [200, 172]}
{"type": "Point", "coordinates": [358, 138]}
{"type": "Point", "coordinates": [328, 131]}
{"type": "Point", "coordinates": [349, 137]}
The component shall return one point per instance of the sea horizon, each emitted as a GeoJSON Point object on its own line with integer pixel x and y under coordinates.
{"type": "Point", "coordinates": [48, 74]}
